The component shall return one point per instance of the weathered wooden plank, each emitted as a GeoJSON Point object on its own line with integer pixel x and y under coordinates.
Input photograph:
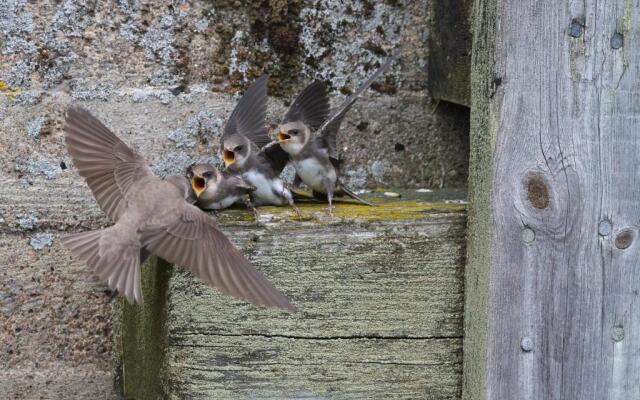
{"type": "Point", "coordinates": [557, 150]}
{"type": "Point", "coordinates": [450, 51]}
{"type": "Point", "coordinates": [233, 367]}
{"type": "Point", "coordinates": [380, 313]}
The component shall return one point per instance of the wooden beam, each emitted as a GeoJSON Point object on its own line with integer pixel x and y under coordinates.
{"type": "Point", "coordinates": [553, 279]}
{"type": "Point", "coordinates": [379, 292]}
{"type": "Point", "coordinates": [140, 336]}
{"type": "Point", "coordinates": [450, 50]}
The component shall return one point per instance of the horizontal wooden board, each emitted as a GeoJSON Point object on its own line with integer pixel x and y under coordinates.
{"type": "Point", "coordinates": [379, 314]}
{"type": "Point", "coordinates": [213, 366]}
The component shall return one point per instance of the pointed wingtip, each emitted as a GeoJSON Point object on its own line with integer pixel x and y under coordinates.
{"type": "Point", "coordinates": [287, 306]}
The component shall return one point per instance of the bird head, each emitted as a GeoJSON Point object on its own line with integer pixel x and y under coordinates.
{"type": "Point", "coordinates": [203, 177]}
{"type": "Point", "coordinates": [293, 136]}
{"type": "Point", "coordinates": [235, 151]}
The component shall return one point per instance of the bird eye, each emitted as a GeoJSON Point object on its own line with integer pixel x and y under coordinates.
{"type": "Point", "coordinates": [207, 175]}
{"type": "Point", "coordinates": [238, 148]}
{"type": "Point", "coordinates": [293, 132]}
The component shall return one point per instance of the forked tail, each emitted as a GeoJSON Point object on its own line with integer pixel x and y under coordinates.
{"type": "Point", "coordinates": [114, 257]}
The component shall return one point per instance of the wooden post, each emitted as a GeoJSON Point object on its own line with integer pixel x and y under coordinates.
{"type": "Point", "coordinates": [553, 276]}
{"type": "Point", "coordinates": [140, 337]}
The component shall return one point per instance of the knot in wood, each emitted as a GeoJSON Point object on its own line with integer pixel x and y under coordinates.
{"type": "Point", "coordinates": [624, 239]}
{"type": "Point", "coordinates": [537, 191]}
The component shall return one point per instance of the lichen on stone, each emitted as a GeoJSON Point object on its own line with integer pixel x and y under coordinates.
{"type": "Point", "coordinates": [355, 178]}
{"type": "Point", "coordinates": [19, 75]}
{"type": "Point", "coordinates": [15, 22]}
{"type": "Point", "coordinates": [355, 36]}
{"type": "Point", "coordinates": [41, 240]}
{"type": "Point", "coordinates": [379, 169]}
{"type": "Point", "coordinates": [35, 126]}
{"type": "Point", "coordinates": [176, 163]}
{"type": "Point", "coordinates": [203, 123]}
{"type": "Point", "coordinates": [40, 167]}
{"type": "Point", "coordinates": [28, 222]}
{"type": "Point", "coordinates": [81, 90]}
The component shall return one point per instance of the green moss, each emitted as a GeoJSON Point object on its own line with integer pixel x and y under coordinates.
{"type": "Point", "coordinates": [346, 211]}
{"type": "Point", "coordinates": [140, 335]}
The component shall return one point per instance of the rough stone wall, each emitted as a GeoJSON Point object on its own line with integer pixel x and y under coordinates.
{"type": "Point", "coordinates": [164, 75]}
{"type": "Point", "coordinates": [166, 53]}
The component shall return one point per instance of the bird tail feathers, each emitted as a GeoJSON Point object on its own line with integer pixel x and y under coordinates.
{"type": "Point", "coordinates": [343, 191]}
{"type": "Point", "coordinates": [113, 255]}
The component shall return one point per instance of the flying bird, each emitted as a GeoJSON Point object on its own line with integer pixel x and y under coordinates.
{"type": "Point", "coordinates": [151, 216]}
{"type": "Point", "coordinates": [309, 137]}
{"type": "Point", "coordinates": [247, 149]}
{"type": "Point", "coordinates": [216, 190]}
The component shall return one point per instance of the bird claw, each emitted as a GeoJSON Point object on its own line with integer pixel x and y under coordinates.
{"type": "Point", "coordinates": [330, 211]}
{"type": "Point", "coordinates": [297, 211]}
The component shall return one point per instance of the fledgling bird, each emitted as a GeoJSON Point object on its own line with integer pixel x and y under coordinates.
{"type": "Point", "coordinates": [216, 190]}
{"type": "Point", "coordinates": [311, 144]}
{"type": "Point", "coordinates": [151, 216]}
{"type": "Point", "coordinates": [246, 149]}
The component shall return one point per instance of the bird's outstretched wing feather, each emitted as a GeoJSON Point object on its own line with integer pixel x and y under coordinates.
{"type": "Point", "coordinates": [327, 132]}
{"type": "Point", "coordinates": [311, 106]}
{"type": "Point", "coordinates": [109, 166]}
{"type": "Point", "coordinates": [194, 242]}
{"type": "Point", "coordinates": [248, 118]}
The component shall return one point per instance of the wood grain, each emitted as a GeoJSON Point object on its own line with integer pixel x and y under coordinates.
{"type": "Point", "coordinates": [380, 314]}
{"type": "Point", "coordinates": [560, 146]}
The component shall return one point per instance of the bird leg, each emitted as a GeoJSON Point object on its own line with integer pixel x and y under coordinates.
{"type": "Point", "coordinates": [328, 187]}
{"type": "Point", "coordinates": [251, 207]}
{"type": "Point", "coordinates": [287, 194]}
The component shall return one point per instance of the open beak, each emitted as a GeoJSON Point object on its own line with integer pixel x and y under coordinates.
{"type": "Point", "coordinates": [283, 137]}
{"type": "Point", "coordinates": [229, 157]}
{"type": "Point", "coordinates": [198, 184]}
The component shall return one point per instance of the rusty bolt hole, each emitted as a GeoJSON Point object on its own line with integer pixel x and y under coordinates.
{"type": "Point", "coordinates": [624, 239]}
{"type": "Point", "coordinates": [537, 191]}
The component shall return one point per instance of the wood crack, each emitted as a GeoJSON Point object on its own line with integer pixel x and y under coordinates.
{"type": "Point", "coordinates": [323, 338]}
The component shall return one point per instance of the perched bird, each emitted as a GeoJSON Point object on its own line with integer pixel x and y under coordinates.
{"type": "Point", "coordinates": [309, 137]}
{"type": "Point", "coordinates": [151, 216]}
{"type": "Point", "coordinates": [216, 190]}
{"type": "Point", "coordinates": [246, 149]}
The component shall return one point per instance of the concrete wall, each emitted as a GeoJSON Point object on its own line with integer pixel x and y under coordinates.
{"type": "Point", "coordinates": [164, 76]}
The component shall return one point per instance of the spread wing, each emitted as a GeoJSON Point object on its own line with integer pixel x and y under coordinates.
{"type": "Point", "coordinates": [248, 118]}
{"type": "Point", "coordinates": [275, 156]}
{"type": "Point", "coordinates": [107, 164]}
{"type": "Point", "coordinates": [311, 106]}
{"type": "Point", "coordinates": [194, 242]}
{"type": "Point", "coordinates": [328, 131]}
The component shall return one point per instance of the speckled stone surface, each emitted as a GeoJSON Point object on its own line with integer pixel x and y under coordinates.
{"type": "Point", "coordinates": [199, 55]}
{"type": "Point", "coordinates": [164, 76]}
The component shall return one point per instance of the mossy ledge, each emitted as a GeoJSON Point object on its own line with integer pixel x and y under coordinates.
{"type": "Point", "coordinates": [411, 205]}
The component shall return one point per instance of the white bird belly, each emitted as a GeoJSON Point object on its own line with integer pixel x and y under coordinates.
{"type": "Point", "coordinates": [218, 205]}
{"type": "Point", "coordinates": [268, 191]}
{"type": "Point", "coordinates": [312, 173]}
